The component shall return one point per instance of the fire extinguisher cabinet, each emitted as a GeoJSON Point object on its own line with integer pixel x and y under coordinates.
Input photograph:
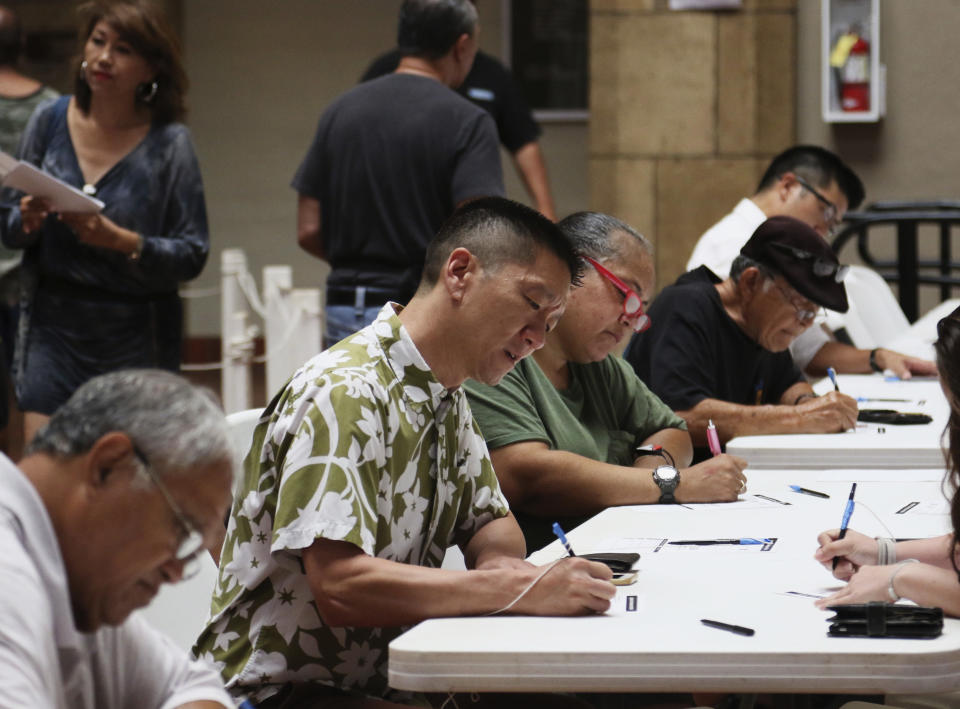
{"type": "Point", "coordinates": [852, 77]}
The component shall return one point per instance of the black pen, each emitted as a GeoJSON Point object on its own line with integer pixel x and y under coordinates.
{"type": "Point", "coordinates": [807, 491]}
{"type": "Point", "coordinates": [738, 629]}
{"type": "Point", "coordinates": [771, 499]}
{"type": "Point", "coordinates": [847, 511]}
{"type": "Point", "coordinates": [708, 542]}
{"type": "Point", "coordinates": [558, 530]}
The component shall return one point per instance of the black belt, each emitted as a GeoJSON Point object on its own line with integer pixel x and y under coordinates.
{"type": "Point", "coordinates": [372, 297]}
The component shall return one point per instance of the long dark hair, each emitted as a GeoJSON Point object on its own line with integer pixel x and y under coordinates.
{"type": "Point", "coordinates": [947, 348]}
{"type": "Point", "coordinates": [143, 25]}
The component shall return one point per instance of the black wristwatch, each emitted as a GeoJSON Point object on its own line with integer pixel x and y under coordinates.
{"type": "Point", "coordinates": [667, 478]}
{"type": "Point", "coordinates": [874, 364]}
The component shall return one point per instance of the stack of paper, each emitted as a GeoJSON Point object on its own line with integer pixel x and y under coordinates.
{"type": "Point", "coordinates": [61, 196]}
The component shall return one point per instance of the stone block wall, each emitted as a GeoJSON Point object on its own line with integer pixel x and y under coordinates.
{"type": "Point", "coordinates": [686, 109]}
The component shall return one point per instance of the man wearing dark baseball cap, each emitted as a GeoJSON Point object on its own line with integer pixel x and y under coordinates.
{"type": "Point", "coordinates": [718, 350]}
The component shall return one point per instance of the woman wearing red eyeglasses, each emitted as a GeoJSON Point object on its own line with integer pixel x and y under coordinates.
{"type": "Point", "coordinates": [564, 427]}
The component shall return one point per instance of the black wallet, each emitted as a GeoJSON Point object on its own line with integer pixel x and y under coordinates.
{"type": "Point", "coordinates": [891, 416]}
{"type": "Point", "coordinates": [619, 563]}
{"type": "Point", "coordinates": [885, 620]}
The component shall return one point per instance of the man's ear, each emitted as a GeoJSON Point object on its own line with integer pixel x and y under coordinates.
{"type": "Point", "coordinates": [750, 283]}
{"type": "Point", "coordinates": [785, 184]}
{"type": "Point", "coordinates": [111, 454]}
{"type": "Point", "coordinates": [460, 47]}
{"type": "Point", "coordinates": [460, 270]}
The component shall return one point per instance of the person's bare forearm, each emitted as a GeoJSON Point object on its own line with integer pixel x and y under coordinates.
{"type": "Point", "coordinates": [843, 358]}
{"type": "Point", "coordinates": [542, 481]}
{"type": "Point", "coordinates": [676, 441]}
{"type": "Point", "coordinates": [357, 590]}
{"type": "Point", "coordinates": [309, 236]}
{"type": "Point", "coordinates": [533, 171]}
{"type": "Point", "coordinates": [734, 420]}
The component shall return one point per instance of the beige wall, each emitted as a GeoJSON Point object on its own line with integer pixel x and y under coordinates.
{"type": "Point", "coordinates": [261, 75]}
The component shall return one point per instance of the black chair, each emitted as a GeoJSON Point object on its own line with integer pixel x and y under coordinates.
{"type": "Point", "coordinates": [908, 270]}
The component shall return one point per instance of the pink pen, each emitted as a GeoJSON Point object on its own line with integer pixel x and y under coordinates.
{"type": "Point", "coordinates": [713, 440]}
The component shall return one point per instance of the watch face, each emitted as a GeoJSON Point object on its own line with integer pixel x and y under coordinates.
{"type": "Point", "coordinates": [666, 473]}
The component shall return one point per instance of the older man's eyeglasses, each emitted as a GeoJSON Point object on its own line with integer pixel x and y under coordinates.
{"type": "Point", "coordinates": [804, 315]}
{"type": "Point", "coordinates": [822, 268]}
{"type": "Point", "coordinates": [191, 547]}
{"type": "Point", "coordinates": [831, 215]}
{"type": "Point", "coordinates": [632, 304]}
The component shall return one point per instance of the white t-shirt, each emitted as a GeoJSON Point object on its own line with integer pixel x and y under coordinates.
{"type": "Point", "coordinates": [721, 243]}
{"type": "Point", "coordinates": [44, 660]}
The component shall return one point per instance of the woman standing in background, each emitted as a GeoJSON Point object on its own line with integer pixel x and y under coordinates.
{"type": "Point", "coordinates": [100, 290]}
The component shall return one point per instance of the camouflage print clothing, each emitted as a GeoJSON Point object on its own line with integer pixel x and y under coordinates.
{"type": "Point", "coordinates": [363, 445]}
{"type": "Point", "coordinates": [14, 114]}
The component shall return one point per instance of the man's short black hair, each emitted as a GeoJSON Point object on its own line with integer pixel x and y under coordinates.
{"type": "Point", "coordinates": [10, 39]}
{"type": "Point", "coordinates": [819, 167]}
{"type": "Point", "coordinates": [429, 28]}
{"type": "Point", "coordinates": [497, 231]}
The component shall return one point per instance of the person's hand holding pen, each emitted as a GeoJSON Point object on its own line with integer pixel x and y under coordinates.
{"type": "Point", "coordinates": [717, 479]}
{"type": "Point", "coordinates": [831, 413]}
{"type": "Point", "coordinates": [853, 551]}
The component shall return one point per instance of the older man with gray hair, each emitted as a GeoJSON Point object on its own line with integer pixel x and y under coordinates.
{"type": "Point", "coordinates": [117, 495]}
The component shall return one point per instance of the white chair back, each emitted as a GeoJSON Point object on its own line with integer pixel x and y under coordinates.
{"type": "Point", "coordinates": [181, 610]}
{"type": "Point", "coordinates": [875, 316]}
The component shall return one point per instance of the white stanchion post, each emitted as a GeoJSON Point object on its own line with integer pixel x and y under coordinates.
{"type": "Point", "coordinates": [292, 328]}
{"type": "Point", "coordinates": [277, 284]}
{"type": "Point", "coordinates": [308, 338]}
{"type": "Point", "coordinates": [236, 336]}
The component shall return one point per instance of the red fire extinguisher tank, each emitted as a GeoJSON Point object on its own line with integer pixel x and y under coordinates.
{"type": "Point", "coordinates": [855, 83]}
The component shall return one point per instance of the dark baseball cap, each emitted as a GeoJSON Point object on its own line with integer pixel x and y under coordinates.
{"type": "Point", "coordinates": [791, 248]}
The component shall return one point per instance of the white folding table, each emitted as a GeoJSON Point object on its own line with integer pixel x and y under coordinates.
{"type": "Point", "coordinates": [652, 638]}
{"type": "Point", "coordinates": [869, 445]}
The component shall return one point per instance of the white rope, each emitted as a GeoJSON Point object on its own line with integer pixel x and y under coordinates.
{"type": "Point", "coordinates": [249, 287]}
{"type": "Point", "coordinates": [199, 292]}
{"type": "Point", "coordinates": [524, 592]}
{"type": "Point", "coordinates": [201, 367]}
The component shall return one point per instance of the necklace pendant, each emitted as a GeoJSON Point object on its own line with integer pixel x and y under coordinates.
{"type": "Point", "coordinates": [89, 189]}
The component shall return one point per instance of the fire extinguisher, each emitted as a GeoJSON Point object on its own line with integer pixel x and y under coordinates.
{"type": "Point", "coordinates": [855, 78]}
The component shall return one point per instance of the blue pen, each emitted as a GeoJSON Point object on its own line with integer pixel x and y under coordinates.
{"type": "Point", "coordinates": [832, 373]}
{"type": "Point", "coordinates": [558, 530]}
{"type": "Point", "coordinates": [848, 510]}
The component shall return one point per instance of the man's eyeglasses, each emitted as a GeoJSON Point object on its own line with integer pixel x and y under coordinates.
{"type": "Point", "coordinates": [190, 549]}
{"type": "Point", "coordinates": [822, 268]}
{"type": "Point", "coordinates": [632, 304]}
{"type": "Point", "coordinates": [830, 212]}
{"type": "Point", "coordinates": [803, 315]}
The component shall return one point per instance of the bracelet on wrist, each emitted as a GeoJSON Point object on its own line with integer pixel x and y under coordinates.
{"type": "Point", "coordinates": [874, 364]}
{"type": "Point", "coordinates": [135, 254]}
{"type": "Point", "coordinates": [891, 591]}
{"type": "Point", "coordinates": [806, 395]}
{"type": "Point", "coordinates": [886, 551]}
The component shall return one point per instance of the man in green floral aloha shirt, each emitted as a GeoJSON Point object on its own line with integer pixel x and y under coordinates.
{"type": "Point", "coordinates": [368, 465]}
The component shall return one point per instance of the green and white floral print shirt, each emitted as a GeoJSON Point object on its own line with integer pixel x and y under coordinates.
{"type": "Point", "coordinates": [363, 445]}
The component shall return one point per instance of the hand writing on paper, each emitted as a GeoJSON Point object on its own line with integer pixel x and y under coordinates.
{"type": "Point", "coordinates": [854, 551]}
{"type": "Point", "coordinates": [574, 586]}
{"type": "Point", "coordinates": [831, 413]}
{"type": "Point", "coordinates": [717, 479]}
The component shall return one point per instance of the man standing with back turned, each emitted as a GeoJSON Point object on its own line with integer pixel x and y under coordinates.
{"type": "Point", "coordinates": [391, 159]}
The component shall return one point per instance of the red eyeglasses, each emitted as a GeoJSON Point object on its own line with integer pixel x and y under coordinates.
{"type": "Point", "coordinates": [632, 304]}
